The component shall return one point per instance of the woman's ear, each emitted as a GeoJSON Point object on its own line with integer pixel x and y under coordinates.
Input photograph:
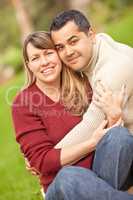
{"type": "Point", "coordinates": [28, 65]}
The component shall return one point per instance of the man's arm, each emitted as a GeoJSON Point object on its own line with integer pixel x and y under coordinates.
{"type": "Point", "coordinates": [84, 130]}
{"type": "Point", "coordinates": [115, 75]}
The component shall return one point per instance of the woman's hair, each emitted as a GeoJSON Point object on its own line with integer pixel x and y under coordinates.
{"type": "Point", "coordinates": [75, 90]}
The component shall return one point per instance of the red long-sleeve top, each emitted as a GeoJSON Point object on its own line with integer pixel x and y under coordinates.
{"type": "Point", "coordinates": [40, 124]}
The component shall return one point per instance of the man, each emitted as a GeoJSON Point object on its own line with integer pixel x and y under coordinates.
{"type": "Point", "coordinates": [102, 59]}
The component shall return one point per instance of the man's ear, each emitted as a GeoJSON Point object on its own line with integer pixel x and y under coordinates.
{"type": "Point", "coordinates": [92, 34]}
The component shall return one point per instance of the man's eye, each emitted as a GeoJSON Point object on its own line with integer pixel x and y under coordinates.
{"type": "Point", "coordinates": [73, 42]}
{"type": "Point", "coordinates": [59, 48]}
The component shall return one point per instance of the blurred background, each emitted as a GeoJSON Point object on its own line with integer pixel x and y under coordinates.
{"type": "Point", "coordinates": [17, 19]}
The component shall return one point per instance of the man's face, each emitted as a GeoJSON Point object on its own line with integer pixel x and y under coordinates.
{"type": "Point", "coordinates": [73, 46]}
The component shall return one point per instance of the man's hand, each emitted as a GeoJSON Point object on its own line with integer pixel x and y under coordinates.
{"type": "Point", "coordinates": [111, 103]}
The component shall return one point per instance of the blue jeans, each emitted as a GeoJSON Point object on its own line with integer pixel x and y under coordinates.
{"type": "Point", "coordinates": [114, 158]}
{"type": "Point", "coordinates": [111, 168]}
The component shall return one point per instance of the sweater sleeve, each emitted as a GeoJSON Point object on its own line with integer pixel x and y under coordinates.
{"type": "Point", "coordinates": [113, 75]}
{"type": "Point", "coordinates": [34, 142]}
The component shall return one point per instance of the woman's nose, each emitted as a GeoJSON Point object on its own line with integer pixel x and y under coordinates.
{"type": "Point", "coordinates": [44, 61]}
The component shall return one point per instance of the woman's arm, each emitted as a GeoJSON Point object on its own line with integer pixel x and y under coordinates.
{"type": "Point", "coordinates": [38, 148]}
{"type": "Point", "coordinates": [73, 153]}
{"type": "Point", "coordinates": [34, 142]}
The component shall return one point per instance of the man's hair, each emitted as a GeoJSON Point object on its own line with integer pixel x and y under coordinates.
{"type": "Point", "coordinates": [70, 15]}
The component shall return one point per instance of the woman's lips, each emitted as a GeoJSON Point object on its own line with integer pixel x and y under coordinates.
{"type": "Point", "coordinates": [47, 70]}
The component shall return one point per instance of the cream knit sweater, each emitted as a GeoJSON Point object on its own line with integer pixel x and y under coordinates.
{"type": "Point", "coordinates": [112, 63]}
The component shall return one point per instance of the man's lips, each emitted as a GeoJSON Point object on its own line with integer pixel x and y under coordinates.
{"type": "Point", "coordinates": [72, 60]}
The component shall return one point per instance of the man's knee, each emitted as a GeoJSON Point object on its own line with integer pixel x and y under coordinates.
{"type": "Point", "coordinates": [65, 178]}
{"type": "Point", "coordinates": [119, 136]}
{"type": "Point", "coordinates": [60, 185]}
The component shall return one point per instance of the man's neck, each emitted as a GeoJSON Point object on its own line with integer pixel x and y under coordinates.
{"type": "Point", "coordinates": [93, 61]}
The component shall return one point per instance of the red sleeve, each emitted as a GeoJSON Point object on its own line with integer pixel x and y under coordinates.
{"type": "Point", "coordinates": [34, 142]}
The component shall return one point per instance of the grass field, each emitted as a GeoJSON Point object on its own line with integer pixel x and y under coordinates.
{"type": "Point", "coordinates": [122, 29]}
{"type": "Point", "coordinates": [15, 182]}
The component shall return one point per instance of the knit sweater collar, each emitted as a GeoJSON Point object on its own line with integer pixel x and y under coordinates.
{"type": "Point", "coordinates": [95, 54]}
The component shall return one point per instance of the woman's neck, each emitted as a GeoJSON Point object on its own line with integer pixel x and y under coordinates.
{"type": "Point", "coordinates": [52, 90]}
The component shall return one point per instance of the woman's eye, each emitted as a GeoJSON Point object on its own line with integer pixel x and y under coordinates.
{"type": "Point", "coordinates": [49, 53]}
{"type": "Point", "coordinates": [34, 59]}
{"type": "Point", "coordinates": [59, 48]}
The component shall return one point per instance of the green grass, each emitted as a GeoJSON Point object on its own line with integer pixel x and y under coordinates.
{"type": "Point", "coordinates": [15, 182]}
{"type": "Point", "coordinates": [122, 28]}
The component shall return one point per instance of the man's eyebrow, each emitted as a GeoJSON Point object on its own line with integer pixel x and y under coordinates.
{"type": "Point", "coordinates": [69, 39]}
{"type": "Point", "coordinates": [72, 37]}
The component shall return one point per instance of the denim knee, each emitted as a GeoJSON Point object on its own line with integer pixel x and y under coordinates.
{"type": "Point", "coordinates": [58, 188]}
{"type": "Point", "coordinates": [68, 178]}
{"type": "Point", "coordinates": [118, 136]}
{"type": "Point", "coordinates": [64, 179]}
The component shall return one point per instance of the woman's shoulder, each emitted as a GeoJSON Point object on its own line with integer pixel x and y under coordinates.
{"type": "Point", "coordinates": [24, 95]}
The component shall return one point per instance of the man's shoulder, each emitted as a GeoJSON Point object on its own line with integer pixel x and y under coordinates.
{"type": "Point", "coordinates": [117, 47]}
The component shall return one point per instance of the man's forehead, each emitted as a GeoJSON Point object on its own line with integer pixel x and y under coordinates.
{"type": "Point", "coordinates": [61, 36]}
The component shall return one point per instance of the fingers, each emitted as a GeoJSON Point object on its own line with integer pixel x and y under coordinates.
{"type": "Point", "coordinates": [97, 100]}
{"type": "Point", "coordinates": [27, 163]}
{"type": "Point", "coordinates": [103, 124]}
{"type": "Point", "coordinates": [99, 89]}
{"type": "Point", "coordinates": [119, 122]}
{"type": "Point", "coordinates": [100, 101]}
{"type": "Point", "coordinates": [102, 87]}
{"type": "Point", "coordinates": [97, 103]}
{"type": "Point", "coordinates": [123, 89]}
{"type": "Point", "coordinates": [32, 170]}
{"type": "Point", "coordinates": [123, 94]}
{"type": "Point", "coordinates": [96, 97]}
{"type": "Point", "coordinates": [102, 91]}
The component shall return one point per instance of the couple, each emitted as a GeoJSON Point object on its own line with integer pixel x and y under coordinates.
{"type": "Point", "coordinates": [59, 125]}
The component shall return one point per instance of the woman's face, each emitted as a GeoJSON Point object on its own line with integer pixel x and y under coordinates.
{"type": "Point", "coordinates": [45, 64]}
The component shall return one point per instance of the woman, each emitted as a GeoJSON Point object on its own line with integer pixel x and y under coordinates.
{"type": "Point", "coordinates": [42, 117]}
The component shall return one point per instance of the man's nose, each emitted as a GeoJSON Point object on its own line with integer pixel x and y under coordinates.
{"type": "Point", "coordinates": [69, 51]}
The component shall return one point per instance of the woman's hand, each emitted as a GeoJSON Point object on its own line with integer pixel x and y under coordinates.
{"type": "Point", "coordinates": [32, 170]}
{"type": "Point", "coordinates": [110, 103]}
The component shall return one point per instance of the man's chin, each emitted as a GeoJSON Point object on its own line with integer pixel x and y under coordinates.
{"type": "Point", "coordinates": [76, 67]}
